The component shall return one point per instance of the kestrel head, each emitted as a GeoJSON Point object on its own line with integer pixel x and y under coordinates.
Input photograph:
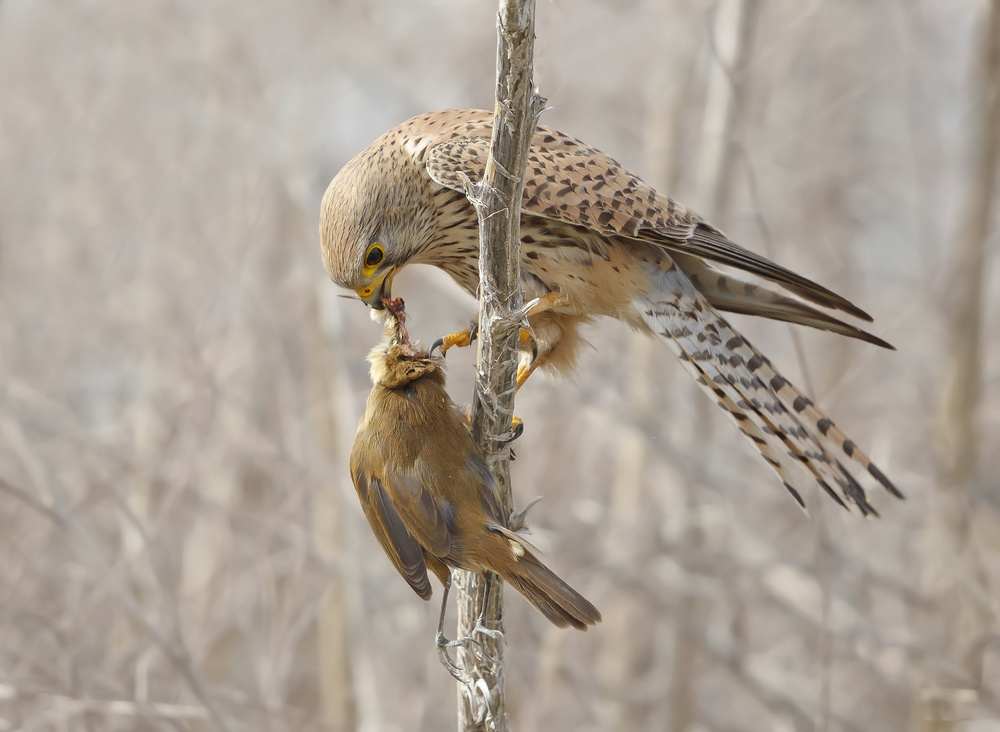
{"type": "Point", "coordinates": [374, 218]}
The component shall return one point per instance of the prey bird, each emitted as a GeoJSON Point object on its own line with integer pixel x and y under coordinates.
{"type": "Point", "coordinates": [429, 496]}
{"type": "Point", "coordinates": [596, 240]}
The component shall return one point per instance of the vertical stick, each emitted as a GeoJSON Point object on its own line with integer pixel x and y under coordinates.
{"type": "Point", "coordinates": [497, 199]}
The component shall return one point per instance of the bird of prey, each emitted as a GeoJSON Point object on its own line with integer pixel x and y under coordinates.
{"type": "Point", "coordinates": [429, 496]}
{"type": "Point", "coordinates": [596, 240]}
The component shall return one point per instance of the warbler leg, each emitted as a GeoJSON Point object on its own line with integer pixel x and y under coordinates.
{"type": "Point", "coordinates": [476, 644]}
{"type": "Point", "coordinates": [480, 627]}
{"type": "Point", "coordinates": [443, 644]}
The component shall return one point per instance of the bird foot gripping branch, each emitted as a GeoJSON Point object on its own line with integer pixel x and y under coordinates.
{"type": "Point", "coordinates": [526, 339]}
{"type": "Point", "coordinates": [461, 339]}
{"type": "Point", "coordinates": [464, 338]}
{"type": "Point", "coordinates": [526, 343]}
{"type": "Point", "coordinates": [472, 642]}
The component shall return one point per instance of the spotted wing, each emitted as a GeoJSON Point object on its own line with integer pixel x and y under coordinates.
{"type": "Point", "coordinates": [568, 181]}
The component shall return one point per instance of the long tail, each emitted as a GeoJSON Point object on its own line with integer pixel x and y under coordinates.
{"type": "Point", "coordinates": [780, 420]}
{"type": "Point", "coordinates": [540, 586]}
{"type": "Point", "coordinates": [733, 294]}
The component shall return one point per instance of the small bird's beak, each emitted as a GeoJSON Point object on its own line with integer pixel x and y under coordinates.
{"type": "Point", "coordinates": [377, 291]}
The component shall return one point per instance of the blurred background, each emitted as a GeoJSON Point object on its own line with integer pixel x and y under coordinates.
{"type": "Point", "coordinates": [182, 547]}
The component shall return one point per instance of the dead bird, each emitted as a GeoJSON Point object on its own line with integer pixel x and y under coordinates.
{"type": "Point", "coordinates": [428, 494]}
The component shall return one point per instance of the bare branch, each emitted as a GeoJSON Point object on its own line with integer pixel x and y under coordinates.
{"type": "Point", "coordinates": [497, 199]}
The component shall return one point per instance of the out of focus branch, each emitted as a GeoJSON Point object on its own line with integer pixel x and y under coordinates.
{"type": "Point", "coordinates": [971, 239]}
{"type": "Point", "coordinates": [59, 510]}
{"type": "Point", "coordinates": [735, 26]}
{"type": "Point", "coordinates": [954, 573]}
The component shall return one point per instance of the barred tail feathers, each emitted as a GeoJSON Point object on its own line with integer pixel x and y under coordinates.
{"type": "Point", "coordinates": [765, 406]}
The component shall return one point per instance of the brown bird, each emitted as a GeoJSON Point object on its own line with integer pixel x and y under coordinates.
{"type": "Point", "coordinates": [430, 497]}
{"type": "Point", "coordinates": [596, 240]}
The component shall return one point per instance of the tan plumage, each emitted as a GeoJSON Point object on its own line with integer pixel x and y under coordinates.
{"type": "Point", "coordinates": [429, 496]}
{"type": "Point", "coordinates": [607, 244]}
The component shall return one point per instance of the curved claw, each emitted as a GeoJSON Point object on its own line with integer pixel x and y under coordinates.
{"type": "Point", "coordinates": [476, 646]}
{"type": "Point", "coordinates": [461, 339]}
{"type": "Point", "coordinates": [527, 338]}
{"type": "Point", "coordinates": [479, 647]}
{"type": "Point", "coordinates": [443, 644]}
{"type": "Point", "coordinates": [496, 635]}
{"type": "Point", "coordinates": [516, 430]}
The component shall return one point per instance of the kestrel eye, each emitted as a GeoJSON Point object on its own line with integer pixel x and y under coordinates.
{"type": "Point", "coordinates": [374, 256]}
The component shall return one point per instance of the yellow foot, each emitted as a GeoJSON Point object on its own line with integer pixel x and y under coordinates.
{"type": "Point", "coordinates": [524, 371]}
{"type": "Point", "coordinates": [516, 427]}
{"type": "Point", "coordinates": [455, 340]}
{"type": "Point", "coordinates": [526, 342]}
{"type": "Point", "coordinates": [547, 302]}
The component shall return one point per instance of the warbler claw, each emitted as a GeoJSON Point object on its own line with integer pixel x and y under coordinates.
{"type": "Point", "coordinates": [483, 652]}
{"type": "Point", "coordinates": [496, 635]}
{"type": "Point", "coordinates": [475, 645]}
{"type": "Point", "coordinates": [443, 644]}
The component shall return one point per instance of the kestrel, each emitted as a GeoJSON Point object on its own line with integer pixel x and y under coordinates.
{"type": "Point", "coordinates": [596, 240]}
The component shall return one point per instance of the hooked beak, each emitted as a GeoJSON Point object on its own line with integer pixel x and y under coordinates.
{"type": "Point", "coordinates": [378, 291]}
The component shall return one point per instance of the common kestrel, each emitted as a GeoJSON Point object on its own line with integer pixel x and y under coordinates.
{"type": "Point", "coordinates": [596, 240]}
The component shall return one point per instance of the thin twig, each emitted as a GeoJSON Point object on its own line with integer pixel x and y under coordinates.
{"type": "Point", "coordinates": [497, 200]}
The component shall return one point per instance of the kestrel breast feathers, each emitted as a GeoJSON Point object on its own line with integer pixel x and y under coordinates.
{"type": "Point", "coordinates": [596, 240]}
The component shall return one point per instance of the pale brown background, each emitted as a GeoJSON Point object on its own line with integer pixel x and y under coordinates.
{"type": "Point", "coordinates": [180, 543]}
